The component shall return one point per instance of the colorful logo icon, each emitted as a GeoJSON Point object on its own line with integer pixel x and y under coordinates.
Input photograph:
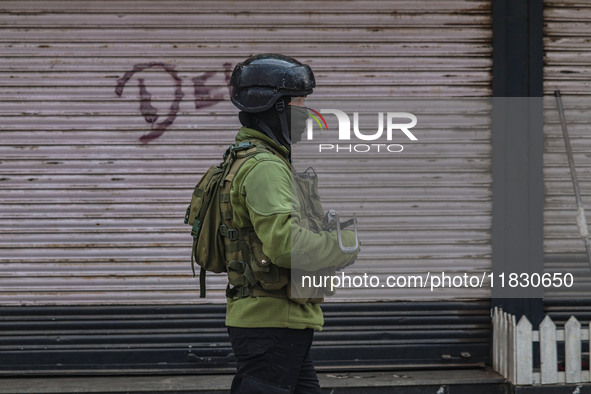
{"type": "Point", "coordinates": [315, 115]}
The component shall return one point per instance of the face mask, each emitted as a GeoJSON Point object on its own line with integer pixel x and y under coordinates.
{"type": "Point", "coordinates": [297, 118]}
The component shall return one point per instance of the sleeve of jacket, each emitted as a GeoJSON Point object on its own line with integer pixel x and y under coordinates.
{"type": "Point", "coordinates": [274, 216]}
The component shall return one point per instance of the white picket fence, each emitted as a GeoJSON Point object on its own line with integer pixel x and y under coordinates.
{"type": "Point", "coordinates": [513, 350]}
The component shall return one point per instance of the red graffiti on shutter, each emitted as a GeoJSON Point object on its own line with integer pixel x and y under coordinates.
{"type": "Point", "coordinates": [205, 96]}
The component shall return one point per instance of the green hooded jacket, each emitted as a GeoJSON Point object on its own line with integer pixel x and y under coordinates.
{"type": "Point", "coordinates": [261, 198]}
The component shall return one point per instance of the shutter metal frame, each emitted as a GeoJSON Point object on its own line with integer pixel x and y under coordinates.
{"type": "Point", "coordinates": [518, 189]}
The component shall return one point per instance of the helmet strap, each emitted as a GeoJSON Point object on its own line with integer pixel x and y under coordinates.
{"type": "Point", "coordinates": [285, 128]}
{"type": "Point", "coordinates": [285, 134]}
{"type": "Point", "coordinates": [280, 105]}
{"type": "Point", "coordinates": [267, 130]}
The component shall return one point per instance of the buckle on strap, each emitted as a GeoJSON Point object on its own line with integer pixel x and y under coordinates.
{"type": "Point", "coordinates": [280, 105]}
{"type": "Point", "coordinates": [187, 214]}
{"type": "Point", "coordinates": [245, 145]}
{"type": "Point", "coordinates": [231, 233]}
{"type": "Point", "coordinates": [196, 228]}
{"type": "Point", "coordinates": [240, 146]}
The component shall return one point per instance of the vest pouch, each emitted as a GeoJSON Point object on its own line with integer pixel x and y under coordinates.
{"type": "Point", "coordinates": [269, 276]}
{"type": "Point", "coordinates": [236, 275]}
{"type": "Point", "coordinates": [308, 186]}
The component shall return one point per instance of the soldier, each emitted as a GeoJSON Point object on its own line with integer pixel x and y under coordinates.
{"type": "Point", "coordinates": [275, 218]}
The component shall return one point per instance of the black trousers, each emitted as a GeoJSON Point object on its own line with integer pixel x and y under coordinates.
{"type": "Point", "coordinates": [273, 361]}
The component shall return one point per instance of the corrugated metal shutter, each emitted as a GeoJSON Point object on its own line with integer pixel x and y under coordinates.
{"type": "Point", "coordinates": [91, 213]}
{"type": "Point", "coordinates": [567, 68]}
{"type": "Point", "coordinates": [192, 338]}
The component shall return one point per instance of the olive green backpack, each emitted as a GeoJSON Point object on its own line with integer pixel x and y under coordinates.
{"type": "Point", "coordinates": [205, 216]}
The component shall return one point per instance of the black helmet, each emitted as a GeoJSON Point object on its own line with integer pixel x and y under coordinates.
{"type": "Point", "coordinates": [259, 81]}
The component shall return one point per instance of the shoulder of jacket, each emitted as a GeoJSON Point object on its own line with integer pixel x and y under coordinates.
{"type": "Point", "coordinates": [268, 156]}
{"type": "Point", "coordinates": [262, 156]}
{"type": "Point", "coordinates": [264, 162]}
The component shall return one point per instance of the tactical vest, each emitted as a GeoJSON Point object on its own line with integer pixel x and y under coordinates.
{"type": "Point", "coordinates": [250, 271]}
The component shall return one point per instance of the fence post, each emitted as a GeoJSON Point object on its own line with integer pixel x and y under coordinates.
{"type": "Point", "coordinates": [548, 352]}
{"type": "Point", "coordinates": [496, 335]}
{"type": "Point", "coordinates": [503, 353]}
{"type": "Point", "coordinates": [572, 347]}
{"type": "Point", "coordinates": [523, 353]}
{"type": "Point", "coordinates": [512, 359]}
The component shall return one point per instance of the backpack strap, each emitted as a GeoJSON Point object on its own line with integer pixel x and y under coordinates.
{"type": "Point", "coordinates": [237, 240]}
